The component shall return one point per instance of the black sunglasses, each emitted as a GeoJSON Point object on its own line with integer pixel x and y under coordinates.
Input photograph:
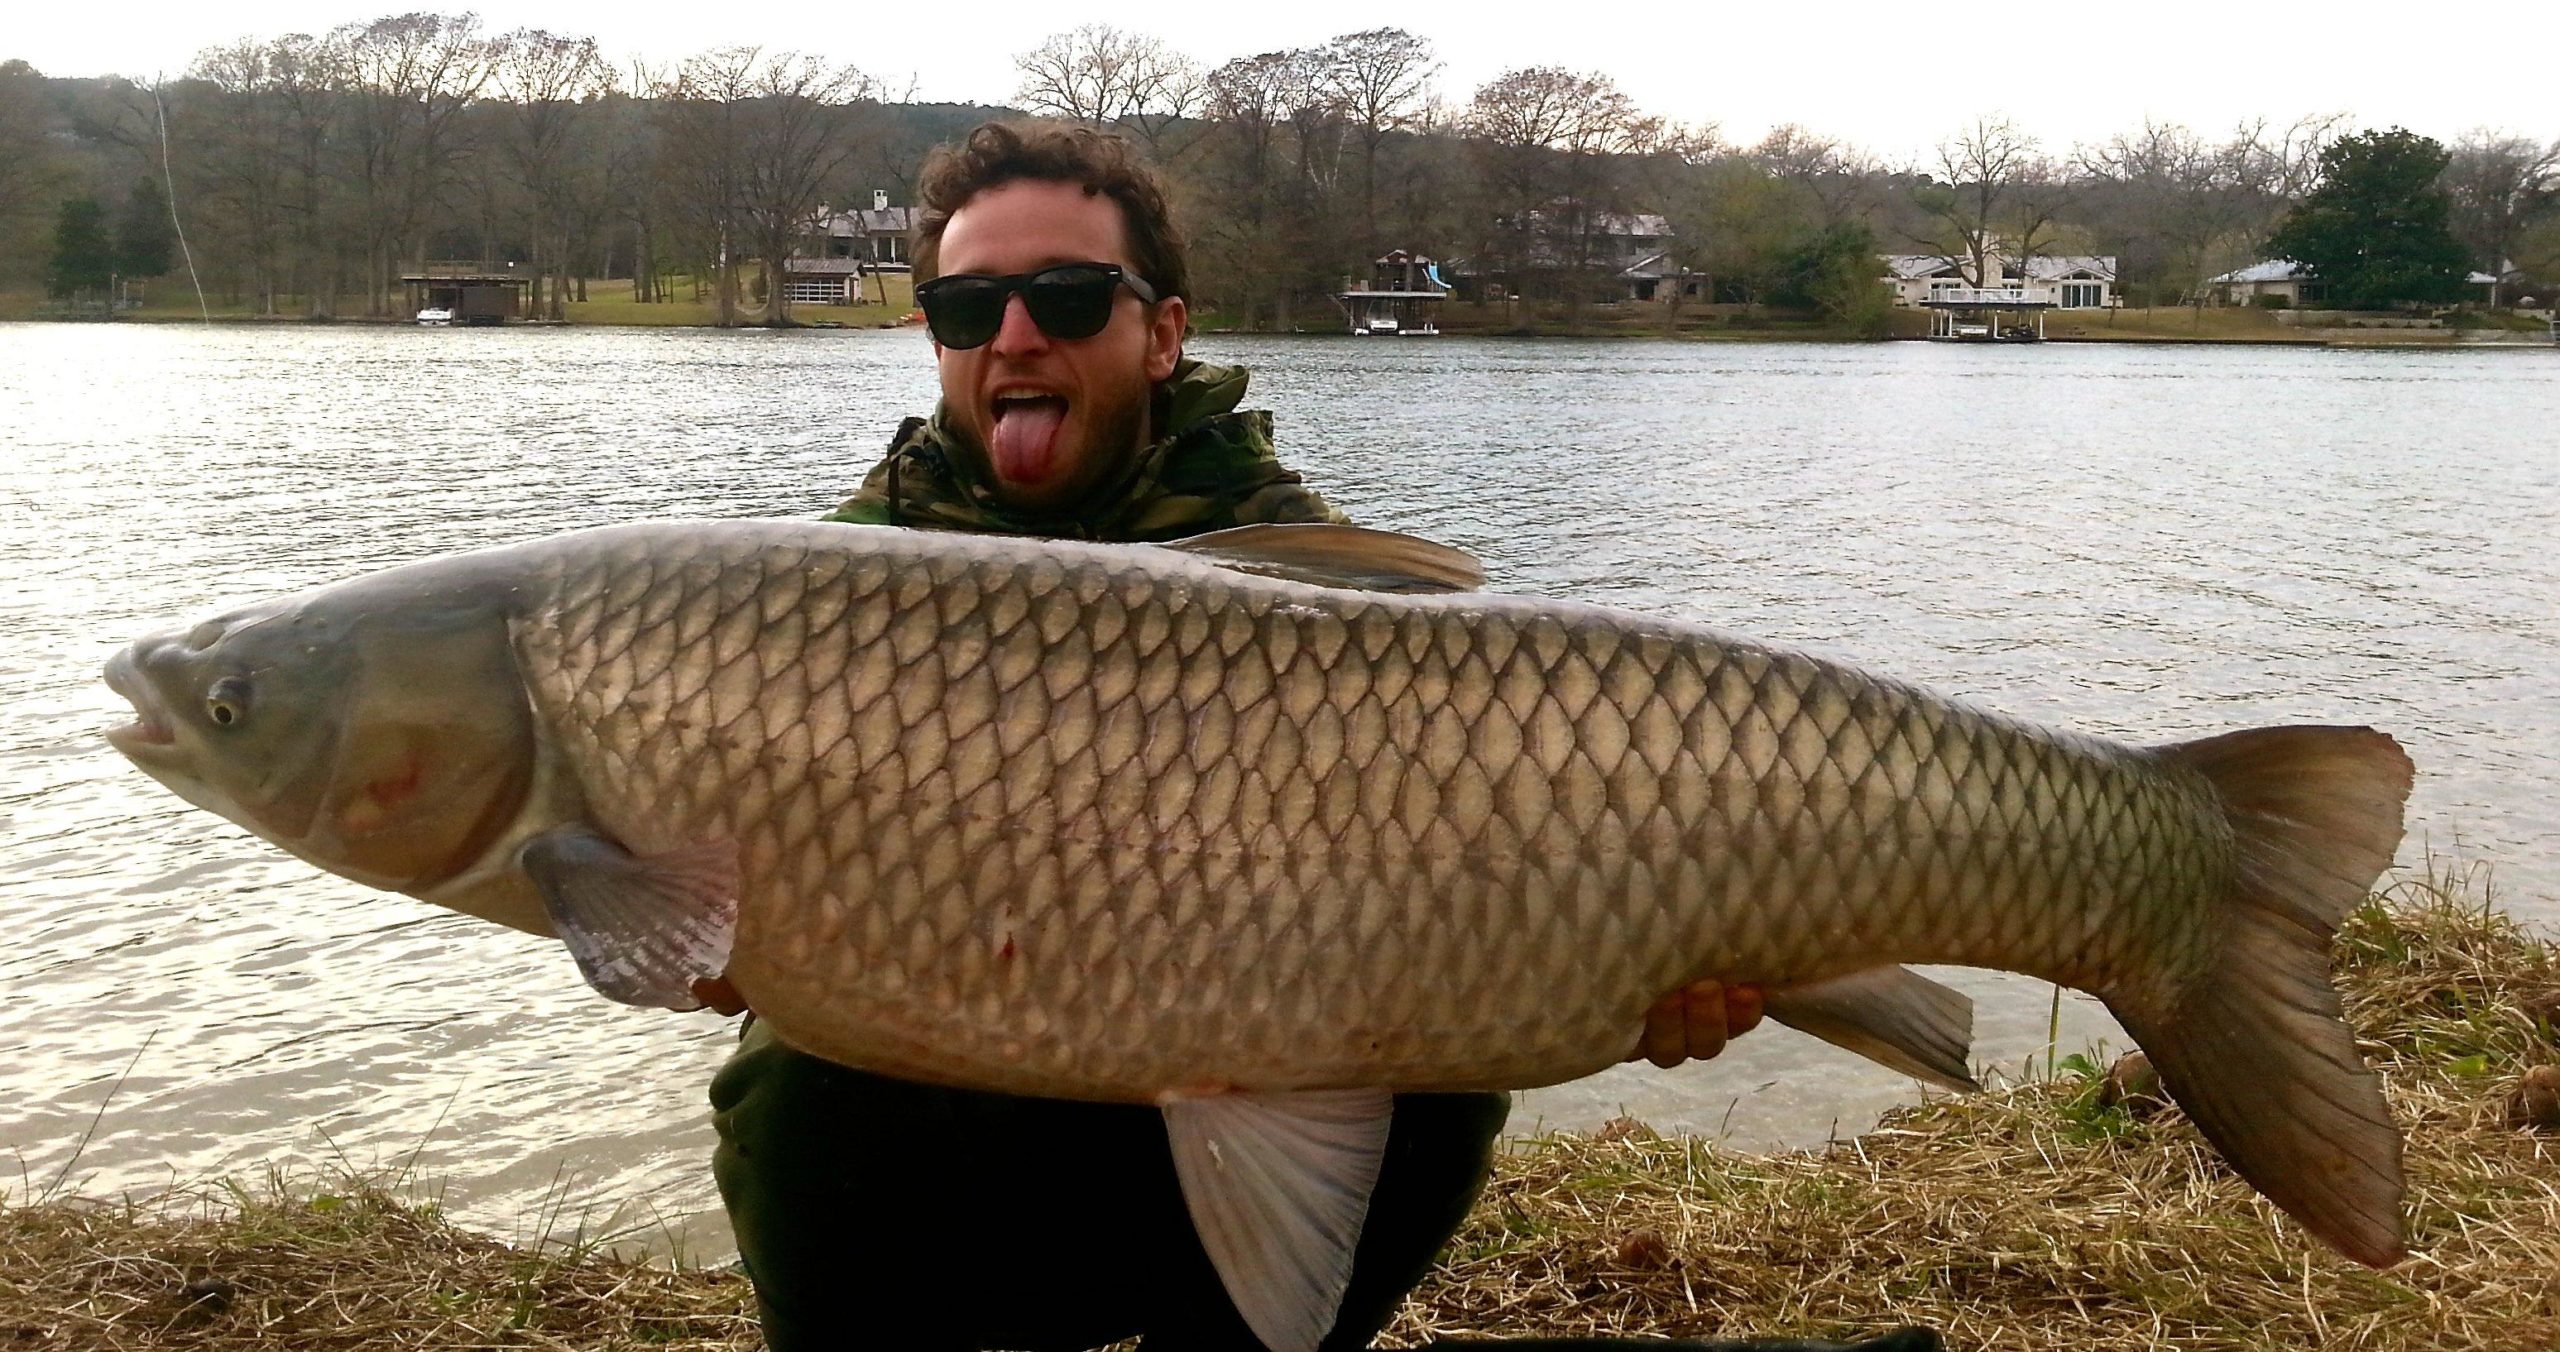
{"type": "Point", "coordinates": [1069, 301]}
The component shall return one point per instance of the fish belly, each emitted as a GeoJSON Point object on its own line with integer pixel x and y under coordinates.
{"type": "Point", "coordinates": [1110, 823]}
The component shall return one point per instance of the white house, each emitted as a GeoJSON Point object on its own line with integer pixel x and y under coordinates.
{"type": "Point", "coordinates": [2063, 281]}
{"type": "Point", "coordinates": [2300, 286]}
{"type": "Point", "coordinates": [1631, 250]}
{"type": "Point", "coordinates": [843, 246]}
{"type": "Point", "coordinates": [2273, 277]}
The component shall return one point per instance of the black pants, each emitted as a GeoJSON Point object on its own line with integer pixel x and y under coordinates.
{"type": "Point", "coordinates": [875, 1213]}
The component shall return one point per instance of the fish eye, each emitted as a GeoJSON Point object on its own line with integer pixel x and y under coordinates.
{"type": "Point", "coordinates": [227, 702]}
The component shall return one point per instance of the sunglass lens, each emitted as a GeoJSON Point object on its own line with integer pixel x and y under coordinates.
{"type": "Point", "coordinates": [1071, 303]}
{"type": "Point", "coordinates": [964, 312]}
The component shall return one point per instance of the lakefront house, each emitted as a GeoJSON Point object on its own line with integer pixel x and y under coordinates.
{"type": "Point", "coordinates": [2287, 284]}
{"type": "Point", "coordinates": [843, 247]}
{"type": "Point", "coordinates": [2057, 281]}
{"type": "Point", "coordinates": [1610, 255]}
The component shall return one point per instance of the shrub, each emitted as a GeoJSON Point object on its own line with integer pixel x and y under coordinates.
{"type": "Point", "coordinates": [2275, 302]}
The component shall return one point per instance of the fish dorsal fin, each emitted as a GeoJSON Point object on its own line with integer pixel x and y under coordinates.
{"type": "Point", "coordinates": [643, 929]}
{"type": "Point", "coordinates": [1891, 1015]}
{"type": "Point", "coordinates": [1352, 557]}
{"type": "Point", "coordinates": [1278, 1185]}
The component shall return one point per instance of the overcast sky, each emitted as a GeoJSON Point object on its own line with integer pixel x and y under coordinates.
{"type": "Point", "coordinates": [1895, 78]}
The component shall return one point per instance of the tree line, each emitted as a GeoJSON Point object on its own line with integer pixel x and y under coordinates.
{"type": "Point", "coordinates": [306, 169]}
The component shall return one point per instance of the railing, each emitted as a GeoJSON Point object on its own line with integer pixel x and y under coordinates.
{"type": "Point", "coordinates": [1991, 295]}
{"type": "Point", "coordinates": [458, 267]}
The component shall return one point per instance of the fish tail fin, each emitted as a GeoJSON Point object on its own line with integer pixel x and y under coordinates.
{"type": "Point", "coordinates": [2255, 1048]}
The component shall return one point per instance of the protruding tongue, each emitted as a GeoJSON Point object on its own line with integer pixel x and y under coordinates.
{"type": "Point", "coordinates": [1026, 440]}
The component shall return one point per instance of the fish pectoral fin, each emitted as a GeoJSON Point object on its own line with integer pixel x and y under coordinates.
{"type": "Point", "coordinates": [643, 929]}
{"type": "Point", "coordinates": [1891, 1015]}
{"type": "Point", "coordinates": [1327, 555]}
{"type": "Point", "coordinates": [1278, 1185]}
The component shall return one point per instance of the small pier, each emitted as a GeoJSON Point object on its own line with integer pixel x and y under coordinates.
{"type": "Point", "coordinates": [1985, 314]}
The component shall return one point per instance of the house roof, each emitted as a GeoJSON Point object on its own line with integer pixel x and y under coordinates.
{"type": "Point", "coordinates": [2286, 270]}
{"type": "Point", "coordinates": [2055, 267]}
{"type": "Point", "coordinates": [844, 224]}
{"type": "Point", "coordinates": [1909, 267]}
{"type": "Point", "coordinates": [2041, 268]}
{"type": "Point", "coordinates": [1655, 267]}
{"type": "Point", "coordinates": [2271, 270]}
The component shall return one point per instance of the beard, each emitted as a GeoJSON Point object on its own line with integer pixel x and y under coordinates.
{"type": "Point", "coordinates": [1094, 450]}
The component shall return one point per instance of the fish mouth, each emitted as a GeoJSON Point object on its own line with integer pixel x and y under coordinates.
{"type": "Point", "coordinates": [150, 731]}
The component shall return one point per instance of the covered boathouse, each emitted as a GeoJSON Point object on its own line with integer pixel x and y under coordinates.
{"type": "Point", "coordinates": [2012, 314]}
{"type": "Point", "coordinates": [1402, 298]}
{"type": "Point", "coordinates": [473, 291]}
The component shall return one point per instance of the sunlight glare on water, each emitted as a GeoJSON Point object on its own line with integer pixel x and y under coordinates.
{"type": "Point", "coordinates": [2143, 542]}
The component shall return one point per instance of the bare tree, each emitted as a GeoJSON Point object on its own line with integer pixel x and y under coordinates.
{"type": "Point", "coordinates": [244, 156]}
{"type": "Point", "coordinates": [1111, 77]}
{"type": "Point", "coordinates": [550, 85]}
{"type": "Point", "coordinates": [1553, 142]}
{"type": "Point", "coordinates": [2501, 187]}
{"type": "Point", "coordinates": [28, 168]}
{"type": "Point", "coordinates": [1837, 179]}
{"type": "Point", "coordinates": [1380, 80]}
{"type": "Point", "coordinates": [2190, 201]}
{"type": "Point", "coordinates": [2041, 195]}
{"type": "Point", "coordinates": [2282, 164]}
{"type": "Point", "coordinates": [1979, 174]}
{"type": "Point", "coordinates": [267, 149]}
{"type": "Point", "coordinates": [753, 143]}
{"type": "Point", "coordinates": [410, 77]}
{"type": "Point", "coordinates": [697, 111]}
{"type": "Point", "coordinates": [1252, 100]}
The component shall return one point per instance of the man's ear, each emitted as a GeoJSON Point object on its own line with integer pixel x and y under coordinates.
{"type": "Point", "coordinates": [1171, 321]}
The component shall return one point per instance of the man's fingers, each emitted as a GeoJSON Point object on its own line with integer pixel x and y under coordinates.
{"type": "Point", "coordinates": [1666, 1032]}
{"type": "Point", "coordinates": [1742, 1009]}
{"type": "Point", "coordinates": [1694, 1022]}
{"type": "Point", "coordinates": [1704, 1005]}
{"type": "Point", "coordinates": [721, 997]}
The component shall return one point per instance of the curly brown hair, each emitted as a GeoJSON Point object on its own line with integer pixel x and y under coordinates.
{"type": "Point", "coordinates": [1103, 164]}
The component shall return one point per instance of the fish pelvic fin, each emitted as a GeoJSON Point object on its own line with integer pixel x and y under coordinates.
{"type": "Point", "coordinates": [1891, 1015]}
{"type": "Point", "coordinates": [1278, 1188]}
{"type": "Point", "coordinates": [2256, 1049]}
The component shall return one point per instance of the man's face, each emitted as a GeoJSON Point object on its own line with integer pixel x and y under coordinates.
{"type": "Point", "coordinates": [1054, 417]}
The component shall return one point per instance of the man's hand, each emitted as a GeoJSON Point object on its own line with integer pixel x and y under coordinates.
{"type": "Point", "coordinates": [720, 997]}
{"type": "Point", "coordinates": [1694, 1022]}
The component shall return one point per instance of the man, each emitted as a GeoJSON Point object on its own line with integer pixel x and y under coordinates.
{"type": "Point", "coordinates": [875, 1213]}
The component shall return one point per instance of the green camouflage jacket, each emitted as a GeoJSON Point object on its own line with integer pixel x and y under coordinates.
{"type": "Point", "coordinates": [1212, 467]}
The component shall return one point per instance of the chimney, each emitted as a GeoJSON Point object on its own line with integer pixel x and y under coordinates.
{"type": "Point", "coordinates": [879, 200]}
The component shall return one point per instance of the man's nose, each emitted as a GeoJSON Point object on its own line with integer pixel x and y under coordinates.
{"type": "Point", "coordinates": [1017, 334]}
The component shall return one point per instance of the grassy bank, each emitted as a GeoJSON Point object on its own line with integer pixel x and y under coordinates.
{"type": "Point", "coordinates": [2029, 1218]}
{"type": "Point", "coordinates": [171, 300]}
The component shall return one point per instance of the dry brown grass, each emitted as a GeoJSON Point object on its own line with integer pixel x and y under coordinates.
{"type": "Point", "coordinates": [2027, 1218]}
{"type": "Point", "coordinates": [346, 1267]}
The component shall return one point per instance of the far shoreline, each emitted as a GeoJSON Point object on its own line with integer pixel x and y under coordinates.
{"type": "Point", "coordinates": [2397, 339]}
{"type": "Point", "coordinates": [611, 304]}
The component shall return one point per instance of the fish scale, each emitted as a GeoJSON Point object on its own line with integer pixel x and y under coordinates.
{"type": "Point", "coordinates": [1151, 771]}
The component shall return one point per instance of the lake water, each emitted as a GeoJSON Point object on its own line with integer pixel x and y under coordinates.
{"type": "Point", "coordinates": [2149, 543]}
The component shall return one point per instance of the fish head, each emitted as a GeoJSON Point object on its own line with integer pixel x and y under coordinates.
{"type": "Point", "coordinates": [385, 738]}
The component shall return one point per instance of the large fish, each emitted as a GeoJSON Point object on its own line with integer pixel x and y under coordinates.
{"type": "Point", "coordinates": [1267, 825]}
